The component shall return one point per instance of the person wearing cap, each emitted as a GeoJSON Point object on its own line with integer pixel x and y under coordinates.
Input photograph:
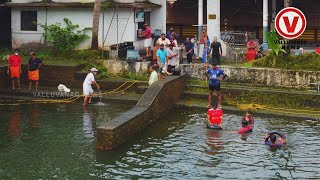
{"type": "Point", "coordinates": [148, 39]}
{"type": "Point", "coordinates": [215, 75]}
{"type": "Point", "coordinates": [163, 40]}
{"type": "Point", "coordinates": [216, 51]}
{"type": "Point", "coordinates": [34, 65]}
{"type": "Point", "coordinates": [162, 57]}
{"type": "Point", "coordinates": [14, 68]}
{"type": "Point", "coordinates": [87, 88]}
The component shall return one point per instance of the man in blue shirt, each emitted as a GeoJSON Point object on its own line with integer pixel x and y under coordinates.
{"type": "Point", "coordinates": [162, 57]}
{"type": "Point", "coordinates": [215, 76]}
{"type": "Point", "coordinates": [188, 46]}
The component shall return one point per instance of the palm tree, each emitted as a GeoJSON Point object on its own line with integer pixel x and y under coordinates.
{"type": "Point", "coordinates": [95, 25]}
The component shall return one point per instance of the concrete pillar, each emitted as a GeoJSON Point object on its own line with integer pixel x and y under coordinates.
{"type": "Point", "coordinates": [213, 19]}
{"type": "Point", "coordinates": [274, 13]}
{"type": "Point", "coordinates": [265, 23]}
{"type": "Point", "coordinates": [200, 18]}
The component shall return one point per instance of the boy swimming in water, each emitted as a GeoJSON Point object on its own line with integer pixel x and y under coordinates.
{"type": "Point", "coordinates": [215, 116]}
{"type": "Point", "coordinates": [277, 139]}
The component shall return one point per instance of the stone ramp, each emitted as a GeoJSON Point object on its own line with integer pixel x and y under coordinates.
{"type": "Point", "coordinates": [156, 102]}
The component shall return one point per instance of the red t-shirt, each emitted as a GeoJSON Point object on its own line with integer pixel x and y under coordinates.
{"type": "Point", "coordinates": [318, 50]}
{"type": "Point", "coordinates": [215, 115]}
{"type": "Point", "coordinates": [147, 33]}
{"type": "Point", "coordinates": [245, 130]}
{"type": "Point", "coordinates": [14, 60]}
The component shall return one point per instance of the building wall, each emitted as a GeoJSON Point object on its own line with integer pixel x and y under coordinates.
{"type": "Point", "coordinates": [127, 28]}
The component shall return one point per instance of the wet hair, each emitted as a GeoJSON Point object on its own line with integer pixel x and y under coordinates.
{"type": "Point", "coordinates": [161, 45]}
{"type": "Point", "coordinates": [16, 50]}
{"type": "Point", "coordinates": [152, 67]}
{"type": "Point", "coordinates": [248, 111]}
{"type": "Point", "coordinates": [214, 63]}
{"type": "Point", "coordinates": [273, 138]}
{"type": "Point", "coordinates": [244, 123]}
{"type": "Point", "coordinates": [32, 53]}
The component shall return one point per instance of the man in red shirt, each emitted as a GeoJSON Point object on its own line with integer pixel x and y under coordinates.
{"type": "Point", "coordinates": [215, 117]}
{"type": "Point", "coordinates": [14, 68]}
{"type": "Point", "coordinates": [148, 39]}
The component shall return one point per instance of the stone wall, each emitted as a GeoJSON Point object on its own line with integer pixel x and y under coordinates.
{"type": "Point", "coordinates": [259, 76]}
{"type": "Point", "coordinates": [117, 67]}
{"type": "Point", "coordinates": [50, 76]}
{"type": "Point", "coordinates": [158, 100]}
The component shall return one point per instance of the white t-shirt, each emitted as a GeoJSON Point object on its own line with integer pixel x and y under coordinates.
{"type": "Point", "coordinates": [89, 79]}
{"type": "Point", "coordinates": [172, 61]}
{"type": "Point", "coordinates": [165, 42]}
{"type": "Point", "coordinates": [153, 77]}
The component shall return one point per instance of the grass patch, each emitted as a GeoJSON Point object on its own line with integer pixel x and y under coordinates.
{"type": "Point", "coordinates": [307, 61]}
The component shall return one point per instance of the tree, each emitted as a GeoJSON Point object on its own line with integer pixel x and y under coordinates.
{"type": "Point", "coordinates": [95, 25]}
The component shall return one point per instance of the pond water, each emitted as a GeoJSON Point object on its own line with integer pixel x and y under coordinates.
{"type": "Point", "coordinates": [58, 142]}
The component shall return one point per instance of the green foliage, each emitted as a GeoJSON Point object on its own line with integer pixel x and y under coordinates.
{"type": "Point", "coordinates": [306, 61]}
{"type": "Point", "coordinates": [272, 38]}
{"type": "Point", "coordinates": [65, 38]}
{"type": "Point", "coordinates": [277, 50]}
{"type": "Point", "coordinates": [134, 76]}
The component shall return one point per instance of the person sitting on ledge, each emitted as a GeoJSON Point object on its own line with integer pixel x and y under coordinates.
{"type": "Point", "coordinates": [154, 75]}
{"type": "Point", "coordinates": [277, 139]}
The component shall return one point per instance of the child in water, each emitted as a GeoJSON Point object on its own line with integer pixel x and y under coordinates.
{"type": "Point", "coordinates": [248, 117]}
{"type": "Point", "coordinates": [215, 116]}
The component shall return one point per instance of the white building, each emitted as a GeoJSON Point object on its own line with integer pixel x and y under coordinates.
{"type": "Point", "coordinates": [115, 26]}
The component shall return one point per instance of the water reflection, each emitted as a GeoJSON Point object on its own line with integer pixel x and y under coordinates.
{"type": "Point", "coordinates": [87, 124]}
{"type": "Point", "coordinates": [14, 129]}
{"type": "Point", "coordinates": [34, 116]}
{"type": "Point", "coordinates": [214, 141]}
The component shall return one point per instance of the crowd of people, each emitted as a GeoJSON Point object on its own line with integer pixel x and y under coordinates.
{"type": "Point", "coordinates": [14, 70]}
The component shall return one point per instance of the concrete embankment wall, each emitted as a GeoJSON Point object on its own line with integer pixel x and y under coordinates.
{"type": "Point", "coordinates": [259, 76]}
{"type": "Point", "coordinates": [53, 75]}
{"type": "Point", "coordinates": [50, 76]}
{"type": "Point", "coordinates": [158, 100]}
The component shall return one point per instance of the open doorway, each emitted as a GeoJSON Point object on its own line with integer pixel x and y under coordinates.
{"type": "Point", "coordinates": [5, 28]}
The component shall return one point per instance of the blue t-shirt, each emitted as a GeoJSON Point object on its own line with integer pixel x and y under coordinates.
{"type": "Point", "coordinates": [162, 54]}
{"type": "Point", "coordinates": [204, 55]}
{"type": "Point", "coordinates": [188, 46]}
{"type": "Point", "coordinates": [268, 143]}
{"type": "Point", "coordinates": [214, 75]}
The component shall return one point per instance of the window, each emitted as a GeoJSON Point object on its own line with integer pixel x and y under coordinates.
{"type": "Point", "coordinates": [146, 20]}
{"type": "Point", "coordinates": [28, 20]}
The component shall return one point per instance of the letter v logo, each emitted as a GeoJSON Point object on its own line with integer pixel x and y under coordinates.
{"type": "Point", "coordinates": [290, 23]}
{"type": "Point", "coordinates": [291, 27]}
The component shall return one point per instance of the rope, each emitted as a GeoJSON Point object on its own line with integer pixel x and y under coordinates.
{"type": "Point", "coordinates": [68, 100]}
{"type": "Point", "coordinates": [256, 107]}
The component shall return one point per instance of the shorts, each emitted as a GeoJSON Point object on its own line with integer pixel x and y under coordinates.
{"type": "Point", "coordinates": [147, 42]}
{"type": "Point", "coordinates": [15, 72]}
{"type": "Point", "coordinates": [161, 70]}
{"type": "Point", "coordinates": [215, 87]}
{"type": "Point", "coordinates": [87, 89]}
{"type": "Point", "coordinates": [33, 75]}
{"type": "Point", "coordinates": [171, 68]}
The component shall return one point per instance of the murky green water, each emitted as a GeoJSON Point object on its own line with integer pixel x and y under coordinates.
{"type": "Point", "coordinates": [58, 142]}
